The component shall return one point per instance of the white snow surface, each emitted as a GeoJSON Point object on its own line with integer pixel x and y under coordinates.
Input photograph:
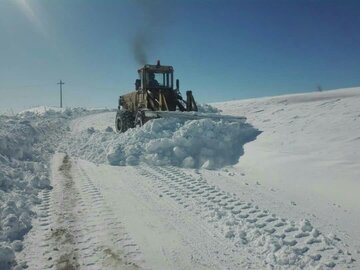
{"type": "Point", "coordinates": [281, 192]}
{"type": "Point", "coordinates": [307, 154]}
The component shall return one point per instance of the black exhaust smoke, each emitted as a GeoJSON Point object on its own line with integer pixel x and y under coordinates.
{"type": "Point", "coordinates": [155, 15]}
{"type": "Point", "coordinates": [140, 49]}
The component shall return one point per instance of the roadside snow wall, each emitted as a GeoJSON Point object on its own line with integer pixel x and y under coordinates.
{"type": "Point", "coordinates": [192, 144]}
{"type": "Point", "coordinates": [27, 140]}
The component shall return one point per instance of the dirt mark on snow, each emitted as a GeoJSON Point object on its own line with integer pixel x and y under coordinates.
{"type": "Point", "coordinates": [63, 236]}
{"type": "Point", "coordinates": [65, 168]}
{"type": "Point", "coordinates": [118, 260]}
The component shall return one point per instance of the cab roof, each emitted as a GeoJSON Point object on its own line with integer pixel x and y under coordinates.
{"type": "Point", "coordinates": [157, 68]}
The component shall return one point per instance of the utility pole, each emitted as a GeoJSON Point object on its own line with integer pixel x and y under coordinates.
{"type": "Point", "coordinates": [61, 84]}
{"type": "Point", "coordinates": [319, 88]}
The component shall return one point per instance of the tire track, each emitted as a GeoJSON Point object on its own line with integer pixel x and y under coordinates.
{"type": "Point", "coordinates": [111, 246]}
{"type": "Point", "coordinates": [77, 230]}
{"type": "Point", "coordinates": [58, 218]}
{"type": "Point", "coordinates": [280, 242]}
{"type": "Point", "coordinates": [209, 249]}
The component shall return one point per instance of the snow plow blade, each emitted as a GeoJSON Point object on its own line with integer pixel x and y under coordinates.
{"type": "Point", "coordinates": [193, 116]}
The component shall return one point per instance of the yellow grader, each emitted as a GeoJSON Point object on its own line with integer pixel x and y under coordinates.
{"type": "Point", "coordinates": [157, 97]}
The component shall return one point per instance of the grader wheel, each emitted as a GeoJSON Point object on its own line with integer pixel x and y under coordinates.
{"type": "Point", "coordinates": [124, 120]}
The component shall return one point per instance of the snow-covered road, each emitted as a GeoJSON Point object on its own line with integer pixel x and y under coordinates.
{"type": "Point", "coordinates": [110, 217]}
{"type": "Point", "coordinates": [160, 207]}
{"type": "Point", "coordinates": [148, 217]}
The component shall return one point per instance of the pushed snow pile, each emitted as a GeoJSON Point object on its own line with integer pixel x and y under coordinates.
{"type": "Point", "coordinates": [192, 144]}
{"type": "Point", "coordinates": [206, 108]}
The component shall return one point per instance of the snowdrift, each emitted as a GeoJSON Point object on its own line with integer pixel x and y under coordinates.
{"type": "Point", "coordinates": [26, 142]}
{"type": "Point", "coordinates": [192, 144]}
{"type": "Point", "coordinates": [50, 110]}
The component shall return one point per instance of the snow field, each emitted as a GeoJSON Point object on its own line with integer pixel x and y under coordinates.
{"type": "Point", "coordinates": [306, 155]}
{"type": "Point", "coordinates": [308, 150]}
{"type": "Point", "coordinates": [191, 144]}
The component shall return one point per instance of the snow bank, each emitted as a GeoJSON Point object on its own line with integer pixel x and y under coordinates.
{"type": "Point", "coordinates": [46, 110]}
{"type": "Point", "coordinates": [26, 142]}
{"type": "Point", "coordinates": [41, 110]}
{"type": "Point", "coordinates": [192, 144]}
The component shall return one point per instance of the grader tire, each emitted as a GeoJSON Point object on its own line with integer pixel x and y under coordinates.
{"type": "Point", "coordinates": [124, 120]}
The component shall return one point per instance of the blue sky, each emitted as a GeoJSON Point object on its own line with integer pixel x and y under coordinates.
{"type": "Point", "coordinates": [222, 50]}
